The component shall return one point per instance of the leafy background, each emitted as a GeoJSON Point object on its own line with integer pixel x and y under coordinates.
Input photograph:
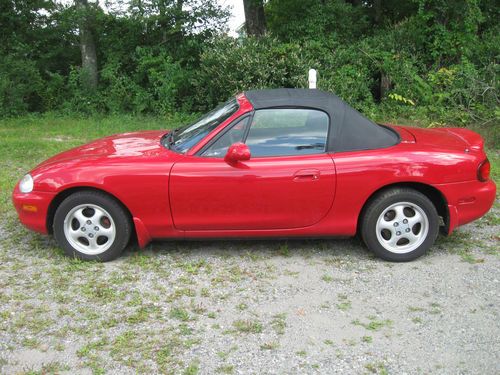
{"type": "Point", "coordinates": [430, 62]}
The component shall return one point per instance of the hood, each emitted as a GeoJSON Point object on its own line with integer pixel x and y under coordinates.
{"type": "Point", "coordinates": [136, 144]}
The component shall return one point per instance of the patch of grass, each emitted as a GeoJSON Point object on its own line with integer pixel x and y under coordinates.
{"type": "Point", "coordinates": [415, 309]}
{"type": "Point", "coordinates": [377, 368]}
{"type": "Point", "coordinates": [143, 314]}
{"type": "Point", "coordinates": [225, 355]}
{"type": "Point", "coordinates": [197, 308]}
{"type": "Point", "coordinates": [193, 267]}
{"type": "Point", "coordinates": [51, 368]}
{"type": "Point", "coordinates": [185, 330]}
{"type": "Point", "coordinates": [283, 250]}
{"type": "Point", "coordinates": [226, 369]}
{"type": "Point", "coordinates": [279, 323]}
{"type": "Point", "coordinates": [192, 369]}
{"type": "Point", "coordinates": [164, 356]}
{"type": "Point", "coordinates": [435, 308]}
{"type": "Point", "coordinates": [460, 243]}
{"type": "Point", "coordinates": [181, 292]}
{"type": "Point", "coordinates": [180, 314]}
{"type": "Point", "coordinates": [99, 291]}
{"type": "Point", "coordinates": [85, 350]}
{"type": "Point", "coordinates": [374, 324]}
{"type": "Point", "coordinates": [269, 346]}
{"type": "Point", "coordinates": [32, 322]}
{"type": "Point", "coordinates": [327, 278]}
{"type": "Point", "coordinates": [492, 219]}
{"type": "Point", "coordinates": [138, 349]}
{"type": "Point", "coordinates": [344, 304]}
{"type": "Point", "coordinates": [242, 306]}
{"type": "Point", "coordinates": [30, 342]}
{"type": "Point", "coordinates": [367, 339]}
{"type": "Point", "coordinates": [248, 326]}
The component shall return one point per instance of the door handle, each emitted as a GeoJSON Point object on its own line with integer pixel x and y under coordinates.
{"type": "Point", "coordinates": [306, 175]}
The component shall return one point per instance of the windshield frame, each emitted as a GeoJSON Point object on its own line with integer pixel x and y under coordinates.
{"type": "Point", "coordinates": [200, 128]}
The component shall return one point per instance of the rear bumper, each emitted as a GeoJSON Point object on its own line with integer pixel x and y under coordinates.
{"type": "Point", "coordinates": [32, 209]}
{"type": "Point", "coordinates": [467, 201]}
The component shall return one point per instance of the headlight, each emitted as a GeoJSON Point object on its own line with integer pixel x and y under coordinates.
{"type": "Point", "coordinates": [26, 184]}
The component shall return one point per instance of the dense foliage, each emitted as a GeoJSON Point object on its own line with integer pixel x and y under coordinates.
{"type": "Point", "coordinates": [430, 59]}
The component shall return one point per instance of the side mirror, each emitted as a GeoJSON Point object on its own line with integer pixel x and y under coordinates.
{"type": "Point", "coordinates": [237, 152]}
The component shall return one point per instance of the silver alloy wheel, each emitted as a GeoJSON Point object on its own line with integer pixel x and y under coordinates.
{"type": "Point", "coordinates": [90, 229]}
{"type": "Point", "coordinates": [402, 227]}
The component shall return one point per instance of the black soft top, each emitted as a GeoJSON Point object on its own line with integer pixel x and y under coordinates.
{"type": "Point", "coordinates": [349, 129]}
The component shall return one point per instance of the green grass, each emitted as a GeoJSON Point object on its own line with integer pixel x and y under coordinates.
{"type": "Point", "coordinates": [374, 324]}
{"type": "Point", "coordinates": [248, 326]}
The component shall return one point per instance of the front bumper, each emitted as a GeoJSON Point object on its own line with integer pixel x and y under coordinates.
{"type": "Point", "coordinates": [32, 208]}
{"type": "Point", "coordinates": [467, 201]}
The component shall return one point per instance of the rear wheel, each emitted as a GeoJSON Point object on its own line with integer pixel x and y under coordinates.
{"type": "Point", "coordinates": [90, 225]}
{"type": "Point", "coordinates": [400, 224]}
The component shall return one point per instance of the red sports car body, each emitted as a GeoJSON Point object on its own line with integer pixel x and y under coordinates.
{"type": "Point", "coordinates": [249, 176]}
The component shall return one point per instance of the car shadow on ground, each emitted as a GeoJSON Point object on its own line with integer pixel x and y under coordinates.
{"type": "Point", "coordinates": [348, 249]}
{"type": "Point", "coordinates": [353, 248]}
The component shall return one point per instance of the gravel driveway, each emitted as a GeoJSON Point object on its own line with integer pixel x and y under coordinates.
{"type": "Point", "coordinates": [322, 306]}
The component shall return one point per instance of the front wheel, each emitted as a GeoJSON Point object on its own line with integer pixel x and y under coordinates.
{"type": "Point", "coordinates": [400, 225]}
{"type": "Point", "coordinates": [90, 225]}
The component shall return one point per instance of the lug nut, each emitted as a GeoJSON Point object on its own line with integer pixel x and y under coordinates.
{"type": "Point", "coordinates": [396, 224]}
{"type": "Point", "coordinates": [398, 233]}
{"type": "Point", "coordinates": [405, 221]}
{"type": "Point", "coordinates": [83, 229]}
{"type": "Point", "coordinates": [407, 229]}
{"type": "Point", "coordinates": [96, 228]}
{"type": "Point", "coordinates": [91, 235]}
{"type": "Point", "coordinates": [89, 222]}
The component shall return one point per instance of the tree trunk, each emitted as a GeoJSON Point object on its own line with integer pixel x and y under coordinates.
{"type": "Point", "coordinates": [377, 4]}
{"type": "Point", "coordinates": [255, 20]}
{"type": "Point", "coordinates": [385, 84]}
{"type": "Point", "coordinates": [87, 44]}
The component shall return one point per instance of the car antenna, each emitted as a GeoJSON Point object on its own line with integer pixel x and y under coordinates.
{"type": "Point", "coordinates": [312, 78]}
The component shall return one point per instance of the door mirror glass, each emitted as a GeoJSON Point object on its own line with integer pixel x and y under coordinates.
{"type": "Point", "coordinates": [237, 152]}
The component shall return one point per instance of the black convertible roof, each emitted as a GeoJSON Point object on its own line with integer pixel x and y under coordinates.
{"type": "Point", "coordinates": [349, 129]}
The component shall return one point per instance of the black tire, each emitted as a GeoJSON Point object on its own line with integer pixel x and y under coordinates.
{"type": "Point", "coordinates": [398, 197]}
{"type": "Point", "coordinates": [119, 221]}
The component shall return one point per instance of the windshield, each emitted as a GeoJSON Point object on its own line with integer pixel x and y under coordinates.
{"type": "Point", "coordinates": [182, 139]}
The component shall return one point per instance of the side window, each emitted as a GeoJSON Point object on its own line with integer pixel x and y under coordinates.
{"type": "Point", "coordinates": [219, 148]}
{"type": "Point", "coordinates": [288, 131]}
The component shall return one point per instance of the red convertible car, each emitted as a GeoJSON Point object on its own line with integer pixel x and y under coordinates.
{"type": "Point", "coordinates": [266, 164]}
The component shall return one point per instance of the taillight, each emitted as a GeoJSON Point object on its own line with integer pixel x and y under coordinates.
{"type": "Point", "coordinates": [483, 172]}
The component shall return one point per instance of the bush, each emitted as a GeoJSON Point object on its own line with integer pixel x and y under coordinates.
{"type": "Point", "coordinates": [122, 93]}
{"type": "Point", "coordinates": [20, 86]}
{"type": "Point", "coordinates": [229, 66]}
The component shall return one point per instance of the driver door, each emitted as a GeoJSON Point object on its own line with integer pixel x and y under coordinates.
{"type": "Point", "coordinates": [289, 181]}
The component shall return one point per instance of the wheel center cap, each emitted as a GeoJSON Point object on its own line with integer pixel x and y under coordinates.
{"type": "Point", "coordinates": [404, 226]}
{"type": "Point", "coordinates": [90, 230]}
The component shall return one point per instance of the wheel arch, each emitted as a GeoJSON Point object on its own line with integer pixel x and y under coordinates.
{"type": "Point", "coordinates": [62, 195]}
{"type": "Point", "coordinates": [435, 196]}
